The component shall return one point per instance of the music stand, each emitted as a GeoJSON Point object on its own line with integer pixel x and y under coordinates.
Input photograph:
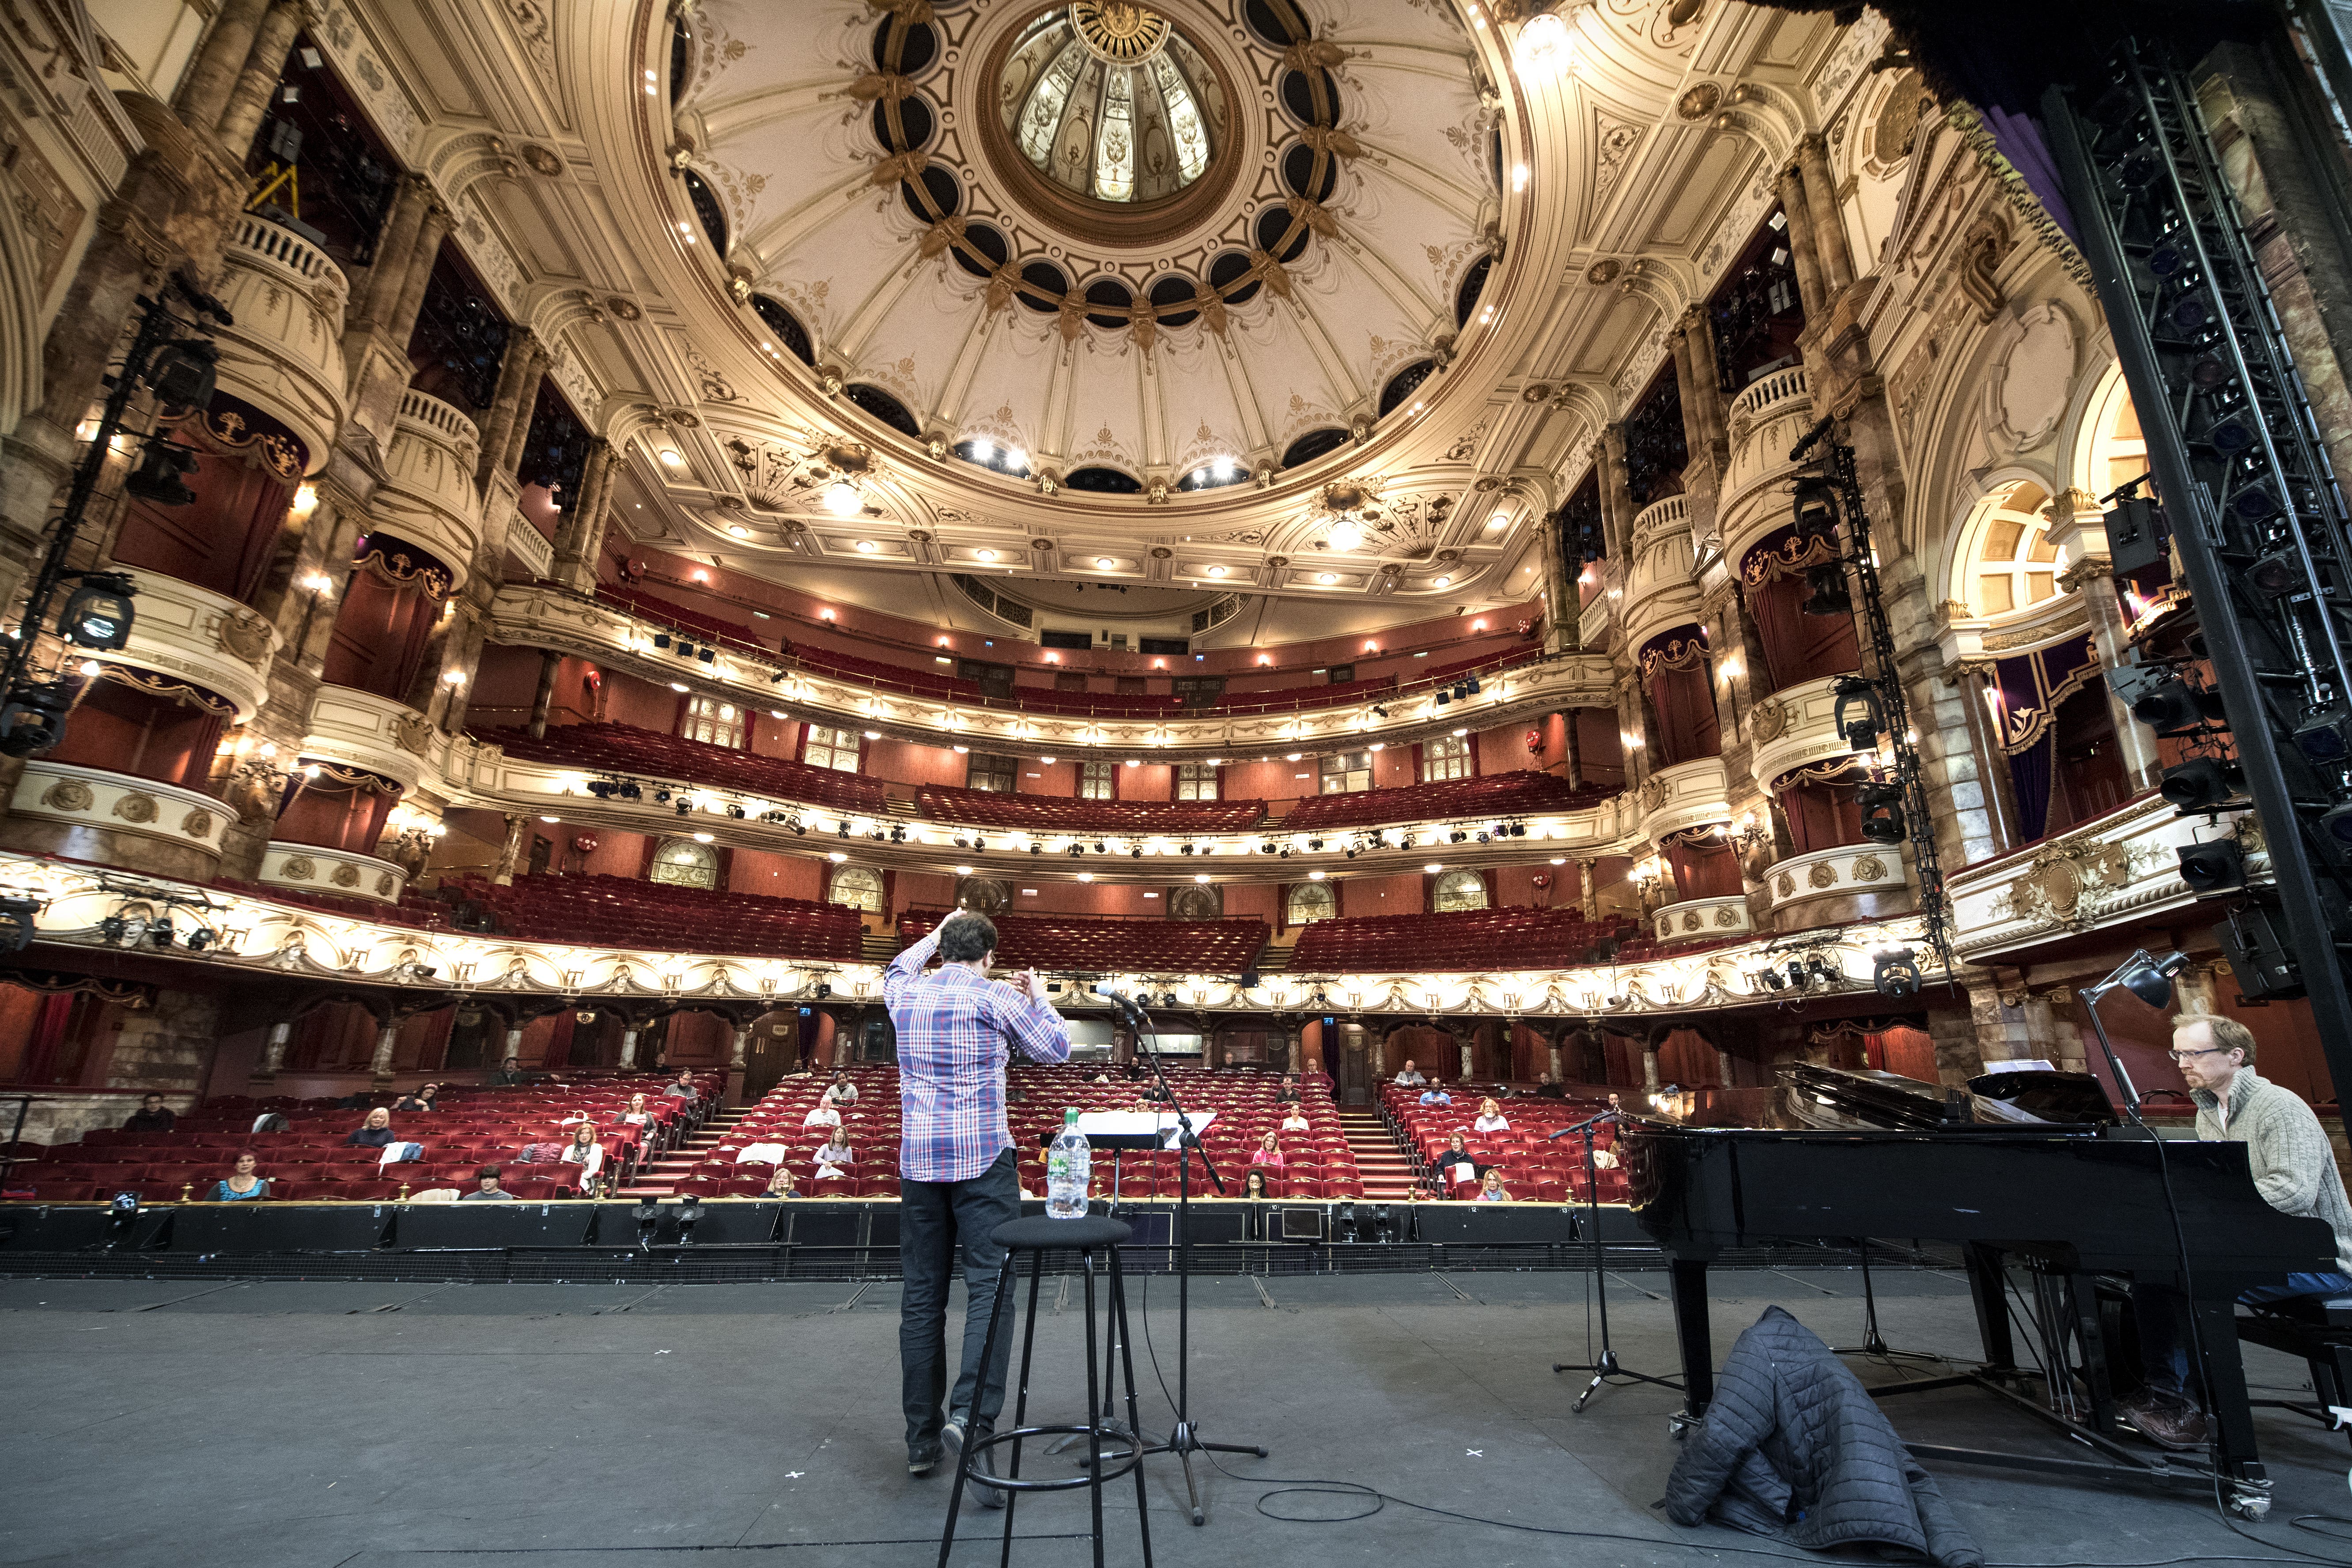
{"type": "Point", "coordinates": [1185, 1441]}
{"type": "Point", "coordinates": [1606, 1365]}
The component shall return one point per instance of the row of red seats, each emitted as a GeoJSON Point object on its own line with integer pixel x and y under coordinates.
{"type": "Point", "coordinates": [606, 747]}
{"type": "Point", "coordinates": [1490, 796]}
{"type": "Point", "coordinates": [413, 910]}
{"type": "Point", "coordinates": [623, 911]}
{"type": "Point", "coordinates": [1154, 946]}
{"type": "Point", "coordinates": [1514, 936]}
{"type": "Point", "coordinates": [1060, 814]}
{"type": "Point", "coordinates": [676, 618]}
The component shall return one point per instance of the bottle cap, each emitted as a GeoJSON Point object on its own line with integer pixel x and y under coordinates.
{"type": "Point", "coordinates": [1070, 1116]}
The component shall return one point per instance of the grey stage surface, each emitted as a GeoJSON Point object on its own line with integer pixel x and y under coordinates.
{"type": "Point", "coordinates": [198, 1423]}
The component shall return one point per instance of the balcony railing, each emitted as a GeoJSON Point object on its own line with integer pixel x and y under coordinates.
{"type": "Point", "coordinates": [286, 349]}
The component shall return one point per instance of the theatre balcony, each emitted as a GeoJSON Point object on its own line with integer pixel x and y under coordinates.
{"type": "Point", "coordinates": [1768, 418]}
{"type": "Point", "coordinates": [428, 495]}
{"type": "Point", "coordinates": [312, 867]}
{"type": "Point", "coordinates": [1661, 588]}
{"type": "Point", "coordinates": [1794, 729]}
{"type": "Point", "coordinates": [1702, 920]}
{"type": "Point", "coordinates": [285, 354]}
{"type": "Point", "coordinates": [910, 704]}
{"type": "Point", "coordinates": [366, 731]}
{"type": "Point", "coordinates": [184, 632]}
{"type": "Point", "coordinates": [1840, 883]}
{"type": "Point", "coordinates": [116, 819]}
{"type": "Point", "coordinates": [1686, 796]}
{"type": "Point", "coordinates": [2118, 871]}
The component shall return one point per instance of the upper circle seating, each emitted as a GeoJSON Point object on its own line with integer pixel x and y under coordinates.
{"type": "Point", "coordinates": [1137, 946]}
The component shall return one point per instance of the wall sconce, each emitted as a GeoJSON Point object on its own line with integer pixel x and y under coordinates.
{"type": "Point", "coordinates": [1646, 877]}
{"type": "Point", "coordinates": [1749, 834]}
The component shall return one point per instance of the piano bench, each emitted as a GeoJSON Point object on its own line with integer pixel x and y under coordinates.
{"type": "Point", "coordinates": [2320, 1331]}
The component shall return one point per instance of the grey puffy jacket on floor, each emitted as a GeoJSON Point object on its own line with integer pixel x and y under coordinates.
{"type": "Point", "coordinates": [1794, 1447]}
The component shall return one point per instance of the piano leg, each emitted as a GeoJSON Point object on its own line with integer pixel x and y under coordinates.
{"type": "Point", "coordinates": [2232, 1416]}
{"type": "Point", "coordinates": [1988, 1287]}
{"type": "Point", "coordinates": [2083, 1298]}
{"type": "Point", "coordinates": [1689, 1285]}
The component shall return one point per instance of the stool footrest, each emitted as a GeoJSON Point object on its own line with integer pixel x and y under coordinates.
{"type": "Point", "coordinates": [1114, 1464]}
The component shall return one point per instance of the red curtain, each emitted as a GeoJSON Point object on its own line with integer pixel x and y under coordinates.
{"type": "Point", "coordinates": [1704, 871]}
{"type": "Point", "coordinates": [1683, 706]}
{"type": "Point", "coordinates": [127, 731]}
{"type": "Point", "coordinates": [224, 540]}
{"type": "Point", "coordinates": [1685, 1057]}
{"type": "Point", "coordinates": [1820, 815]}
{"type": "Point", "coordinates": [336, 816]}
{"type": "Point", "coordinates": [1797, 646]}
{"type": "Point", "coordinates": [380, 632]}
{"type": "Point", "coordinates": [1902, 1051]}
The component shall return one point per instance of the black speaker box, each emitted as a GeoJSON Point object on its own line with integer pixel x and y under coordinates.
{"type": "Point", "coordinates": [281, 1228]}
{"type": "Point", "coordinates": [475, 1226]}
{"type": "Point", "coordinates": [1489, 1224]}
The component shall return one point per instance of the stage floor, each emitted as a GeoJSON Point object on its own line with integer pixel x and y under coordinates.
{"type": "Point", "coordinates": [198, 1424]}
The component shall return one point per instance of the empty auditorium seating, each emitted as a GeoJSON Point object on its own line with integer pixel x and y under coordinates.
{"type": "Point", "coordinates": [889, 677]}
{"type": "Point", "coordinates": [1061, 815]}
{"type": "Point", "coordinates": [470, 1127]}
{"type": "Point", "coordinates": [1522, 792]}
{"type": "Point", "coordinates": [623, 911]}
{"type": "Point", "coordinates": [1513, 937]}
{"type": "Point", "coordinates": [649, 753]}
{"type": "Point", "coordinates": [414, 910]}
{"type": "Point", "coordinates": [1146, 946]}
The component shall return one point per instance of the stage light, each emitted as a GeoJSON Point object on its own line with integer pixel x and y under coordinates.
{"type": "Point", "coordinates": [2261, 962]}
{"type": "Point", "coordinates": [182, 373]}
{"type": "Point", "coordinates": [33, 718]}
{"type": "Point", "coordinates": [685, 807]}
{"type": "Point", "coordinates": [1456, 836]}
{"type": "Point", "coordinates": [630, 789]}
{"type": "Point", "coordinates": [2337, 822]}
{"type": "Point", "coordinates": [2219, 867]}
{"type": "Point", "coordinates": [2202, 782]}
{"type": "Point", "coordinates": [2170, 706]}
{"type": "Point", "coordinates": [1825, 592]}
{"type": "Point", "coordinates": [1316, 844]}
{"type": "Point", "coordinates": [160, 933]}
{"type": "Point", "coordinates": [1099, 848]}
{"type": "Point", "coordinates": [661, 797]}
{"type": "Point", "coordinates": [2325, 738]}
{"type": "Point", "coordinates": [156, 479]}
{"type": "Point", "coordinates": [198, 939]}
{"type": "Point", "coordinates": [601, 788]}
{"type": "Point", "coordinates": [17, 929]}
{"type": "Point", "coordinates": [1897, 972]}
{"type": "Point", "coordinates": [1036, 849]}
{"type": "Point", "coordinates": [1857, 716]}
{"type": "Point", "coordinates": [661, 640]}
{"type": "Point", "coordinates": [98, 615]}
{"type": "Point", "coordinates": [1771, 979]}
{"type": "Point", "coordinates": [2280, 572]}
{"type": "Point", "coordinates": [1797, 976]}
{"type": "Point", "coordinates": [1882, 813]}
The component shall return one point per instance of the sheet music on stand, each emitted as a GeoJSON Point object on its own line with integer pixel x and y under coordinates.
{"type": "Point", "coordinates": [1136, 1129]}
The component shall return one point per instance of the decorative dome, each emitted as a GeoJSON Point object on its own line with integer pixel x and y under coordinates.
{"type": "Point", "coordinates": [1106, 98]}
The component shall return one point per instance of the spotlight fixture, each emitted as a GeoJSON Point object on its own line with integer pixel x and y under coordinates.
{"type": "Point", "coordinates": [2172, 706]}
{"type": "Point", "coordinates": [2276, 574]}
{"type": "Point", "coordinates": [2264, 966]}
{"type": "Point", "coordinates": [1858, 716]}
{"type": "Point", "coordinates": [1771, 980]}
{"type": "Point", "coordinates": [198, 939]}
{"type": "Point", "coordinates": [160, 933]}
{"type": "Point", "coordinates": [2325, 737]}
{"type": "Point", "coordinates": [98, 615]}
{"type": "Point", "coordinates": [32, 718]}
{"type": "Point", "coordinates": [735, 810]}
{"type": "Point", "coordinates": [661, 797]}
{"type": "Point", "coordinates": [708, 656]}
{"type": "Point", "coordinates": [661, 640]}
{"type": "Point", "coordinates": [686, 808]}
{"type": "Point", "coordinates": [1267, 848]}
{"type": "Point", "coordinates": [1036, 849]}
{"type": "Point", "coordinates": [157, 480]}
{"type": "Point", "coordinates": [1315, 844]}
{"type": "Point", "coordinates": [17, 915]}
{"type": "Point", "coordinates": [1455, 836]}
{"type": "Point", "coordinates": [2203, 784]}
{"type": "Point", "coordinates": [1077, 850]}
{"type": "Point", "coordinates": [1897, 972]}
{"type": "Point", "coordinates": [2217, 866]}
{"type": "Point", "coordinates": [602, 788]}
{"type": "Point", "coordinates": [1099, 849]}
{"type": "Point", "coordinates": [1882, 812]}
{"type": "Point", "coordinates": [898, 833]}
{"type": "Point", "coordinates": [841, 829]}
{"type": "Point", "coordinates": [1135, 850]}
{"type": "Point", "coordinates": [631, 790]}
{"type": "Point", "coordinates": [1822, 970]}
{"type": "Point", "coordinates": [112, 927]}
{"type": "Point", "coordinates": [1797, 976]}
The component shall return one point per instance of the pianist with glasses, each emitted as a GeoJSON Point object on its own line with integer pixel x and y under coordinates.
{"type": "Point", "coordinates": [2294, 1169]}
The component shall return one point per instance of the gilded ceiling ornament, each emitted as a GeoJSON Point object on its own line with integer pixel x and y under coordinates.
{"type": "Point", "coordinates": [1605, 270]}
{"type": "Point", "coordinates": [542, 159]}
{"type": "Point", "coordinates": [1699, 102]}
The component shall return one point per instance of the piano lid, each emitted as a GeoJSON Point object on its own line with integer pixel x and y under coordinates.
{"type": "Point", "coordinates": [1838, 1098]}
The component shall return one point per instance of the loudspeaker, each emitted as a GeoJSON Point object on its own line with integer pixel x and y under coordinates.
{"type": "Point", "coordinates": [2259, 954]}
{"type": "Point", "coordinates": [2135, 535]}
{"type": "Point", "coordinates": [281, 1227]}
{"type": "Point", "coordinates": [461, 1226]}
{"type": "Point", "coordinates": [1489, 1224]}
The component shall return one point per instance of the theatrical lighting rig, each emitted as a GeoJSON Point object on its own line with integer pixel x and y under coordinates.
{"type": "Point", "coordinates": [1872, 714]}
{"type": "Point", "coordinates": [173, 359]}
{"type": "Point", "coordinates": [1896, 972]}
{"type": "Point", "coordinates": [2251, 503]}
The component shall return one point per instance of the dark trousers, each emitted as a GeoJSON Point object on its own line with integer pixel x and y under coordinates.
{"type": "Point", "coordinates": [2162, 1315]}
{"type": "Point", "coordinates": [936, 1219]}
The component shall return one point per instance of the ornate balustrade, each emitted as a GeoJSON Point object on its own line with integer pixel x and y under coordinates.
{"type": "Point", "coordinates": [1702, 920]}
{"type": "Point", "coordinates": [428, 495]}
{"type": "Point", "coordinates": [1867, 879]}
{"type": "Point", "coordinates": [308, 867]}
{"type": "Point", "coordinates": [1768, 418]}
{"type": "Point", "coordinates": [184, 632]}
{"type": "Point", "coordinates": [1795, 728]}
{"type": "Point", "coordinates": [102, 807]}
{"type": "Point", "coordinates": [1686, 796]}
{"type": "Point", "coordinates": [285, 354]}
{"type": "Point", "coordinates": [376, 734]}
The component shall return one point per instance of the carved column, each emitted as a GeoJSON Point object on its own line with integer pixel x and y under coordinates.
{"type": "Point", "coordinates": [1997, 789]}
{"type": "Point", "coordinates": [1795, 206]}
{"type": "Point", "coordinates": [263, 64]}
{"type": "Point", "coordinates": [373, 299]}
{"type": "Point", "coordinates": [517, 432]}
{"type": "Point", "coordinates": [273, 1052]}
{"type": "Point", "coordinates": [1561, 603]}
{"type": "Point", "coordinates": [387, 1038]}
{"type": "Point", "coordinates": [1551, 1055]}
{"type": "Point", "coordinates": [1591, 889]}
{"type": "Point", "coordinates": [1462, 1045]}
{"type": "Point", "coordinates": [1616, 494]}
{"type": "Point", "coordinates": [401, 322]}
{"type": "Point", "coordinates": [510, 852]}
{"type": "Point", "coordinates": [583, 536]}
{"type": "Point", "coordinates": [543, 694]}
{"type": "Point", "coordinates": [2067, 1049]}
{"type": "Point", "coordinates": [508, 404]}
{"type": "Point", "coordinates": [1835, 255]}
{"type": "Point", "coordinates": [206, 91]}
{"type": "Point", "coordinates": [2093, 578]}
{"type": "Point", "coordinates": [1706, 375]}
{"type": "Point", "coordinates": [743, 1045]}
{"type": "Point", "coordinates": [1650, 1079]}
{"type": "Point", "coordinates": [1574, 749]}
{"type": "Point", "coordinates": [514, 1043]}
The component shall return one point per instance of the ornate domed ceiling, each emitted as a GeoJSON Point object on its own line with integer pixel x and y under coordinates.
{"type": "Point", "coordinates": [1135, 246]}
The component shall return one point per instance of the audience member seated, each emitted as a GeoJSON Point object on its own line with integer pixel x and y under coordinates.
{"type": "Point", "coordinates": [1297, 1121]}
{"type": "Point", "coordinates": [510, 1074]}
{"type": "Point", "coordinates": [1550, 1088]}
{"type": "Point", "coordinates": [821, 1114]}
{"type": "Point", "coordinates": [833, 1158]}
{"type": "Point", "coordinates": [1456, 1152]}
{"type": "Point", "coordinates": [1410, 1077]}
{"type": "Point", "coordinates": [1268, 1153]}
{"type": "Point", "coordinates": [420, 1099]}
{"type": "Point", "coordinates": [1435, 1095]}
{"type": "Point", "coordinates": [487, 1176]}
{"type": "Point", "coordinates": [242, 1182]}
{"type": "Point", "coordinates": [584, 1151]}
{"type": "Point", "coordinates": [1288, 1093]}
{"type": "Point", "coordinates": [841, 1091]}
{"type": "Point", "coordinates": [1490, 1117]}
{"type": "Point", "coordinates": [636, 1115]}
{"type": "Point", "coordinates": [780, 1185]}
{"type": "Point", "coordinates": [1491, 1191]}
{"type": "Point", "coordinates": [153, 1116]}
{"type": "Point", "coordinates": [372, 1133]}
{"type": "Point", "coordinates": [1253, 1184]}
{"type": "Point", "coordinates": [684, 1087]}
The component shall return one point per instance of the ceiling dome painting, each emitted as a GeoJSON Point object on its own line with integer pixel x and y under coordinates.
{"type": "Point", "coordinates": [1158, 241]}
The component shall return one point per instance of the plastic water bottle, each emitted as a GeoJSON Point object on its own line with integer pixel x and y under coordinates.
{"type": "Point", "coordinates": [1066, 1162]}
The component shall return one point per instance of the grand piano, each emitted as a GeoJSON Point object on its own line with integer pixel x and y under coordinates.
{"type": "Point", "coordinates": [2025, 1171]}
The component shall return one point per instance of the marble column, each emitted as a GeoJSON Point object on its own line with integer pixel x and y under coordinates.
{"type": "Point", "coordinates": [510, 852]}
{"type": "Point", "coordinates": [544, 692]}
{"type": "Point", "coordinates": [514, 1045]}
{"type": "Point", "coordinates": [743, 1045]}
{"type": "Point", "coordinates": [1551, 1055]}
{"type": "Point", "coordinates": [263, 64]}
{"type": "Point", "coordinates": [1795, 207]}
{"type": "Point", "coordinates": [1723, 1068]}
{"type": "Point", "coordinates": [219, 61]}
{"type": "Point", "coordinates": [373, 299]}
{"type": "Point", "coordinates": [583, 539]}
{"type": "Point", "coordinates": [273, 1052]}
{"type": "Point", "coordinates": [402, 320]}
{"type": "Point", "coordinates": [1650, 1079]}
{"type": "Point", "coordinates": [628, 1049]}
{"type": "Point", "coordinates": [1999, 796]}
{"type": "Point", "coordinates": [517, 432]}
{"type": "Point", "coordinates": [1616, 494]}
{"type": "Point", "coordinates": [380, 1066]}
{"type": "Point", "coordinates": [2093, 579]}
{"type": "Point", "coordinates": [1560, 601]}
{"type": "Point", "coordinates": [1706, 380]}
{"type": "Point", "coordinates": [1590, 887]}
{"type": "Point", "coordinates": [516, 391]}
{"type": "Point", "coordinates": [1835, 255]}
{"type": "Point", "coordinates": [1464, 1047]}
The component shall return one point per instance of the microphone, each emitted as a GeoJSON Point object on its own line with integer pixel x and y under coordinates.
{"type": "Point", "coordinates": [1128, 1007]}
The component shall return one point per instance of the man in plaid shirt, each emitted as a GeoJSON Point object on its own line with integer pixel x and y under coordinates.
{"type": "Point", "coordinates": [956, 1182]}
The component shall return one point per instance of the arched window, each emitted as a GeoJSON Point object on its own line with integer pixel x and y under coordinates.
{"type": "Point", "coordinates": [2114, 451]}
{"type": "Point", "coordinates": [859, 887]}
{"type": "Point", "coordinates": [1446, 757]}
{"type": "Point", "coordinates": [683, 863]}
{"type": "Point", "coordinates": [709, 720]}
{"type": "Point", "coordinates": [1458, 891]}
{"type": "Point", "coordinates": [1308, 902]}
{"type": "Point", "coordinates": [2007, 561]}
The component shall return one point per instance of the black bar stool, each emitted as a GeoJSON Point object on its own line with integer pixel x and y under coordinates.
{"type": "Point", "coordinates": [1096, 1241]}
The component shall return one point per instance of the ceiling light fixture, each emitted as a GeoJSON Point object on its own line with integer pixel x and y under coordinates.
{"type": "Point", "coordinates": [984, 555]}
{"type": "Point", "coordinates": [866, 547]}
{"type": "Point", "coordinates": [1105, 562]}
{"type": "Point", "coordinates": [1216, 571]}
{"type": "Point", "coordinates": [1327, 578]}
{"type": "Point", "coordinates": [1546, 45]}
{"type": "Point", "coordinates": [1445, 581]}
{"type": "Point", "coordinates": [841, 497]}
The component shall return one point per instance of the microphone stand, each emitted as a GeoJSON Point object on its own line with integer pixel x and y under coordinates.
{"type": "Point", "coordinates": [1185, 1440]}
{"type": "Point", "coordinates": [1606, 1365]}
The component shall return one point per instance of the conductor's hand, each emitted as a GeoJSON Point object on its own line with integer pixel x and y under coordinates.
{"type": "Point", "coordinates": [1025, 981]}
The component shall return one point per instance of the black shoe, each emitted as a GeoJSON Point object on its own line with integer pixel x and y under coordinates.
{"type": "Point", "coordinates": [983, 1464]}
{"type": "Point", "coordinates": [951, 1441]}
{"type": "Point", "coordinates": [921, 1464]}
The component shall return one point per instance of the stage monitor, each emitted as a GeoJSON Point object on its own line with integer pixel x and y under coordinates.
{"type": "Point", "coordinates": [1494, 1225]}
{"type": "Point", "coordinates": [281, 1228]}
{"type": "Point", "coordinates": [475, 1226]}
{"type": "Point", "coordinates": [1299, 1224]}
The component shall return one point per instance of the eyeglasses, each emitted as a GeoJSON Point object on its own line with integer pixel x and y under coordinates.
{"type": "Point", "coordinates": [2184, 1055]}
